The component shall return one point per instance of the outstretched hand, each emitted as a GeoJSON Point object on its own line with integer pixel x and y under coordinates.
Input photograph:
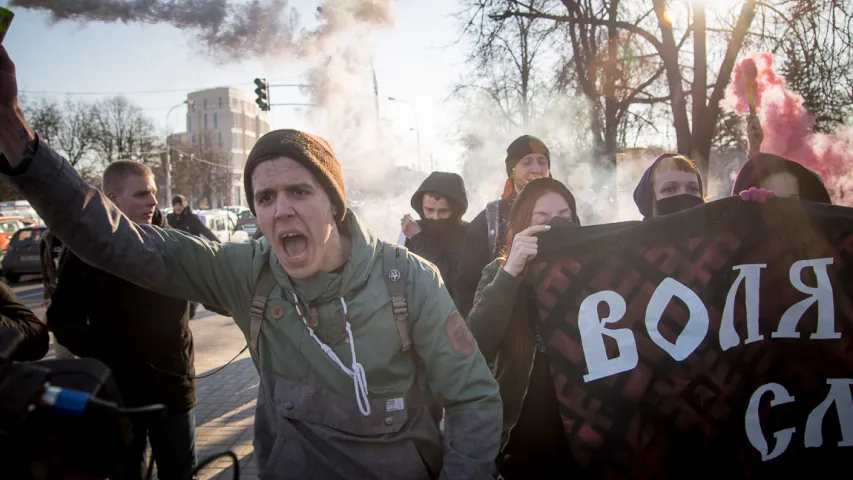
{"type": "Point", "coordinates": [14, 131]}
{"type": "Point", "coordinates": [759, 195]}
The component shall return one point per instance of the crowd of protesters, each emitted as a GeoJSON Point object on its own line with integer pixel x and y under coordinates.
{"type": "Point", "coordinates": [446, 380]}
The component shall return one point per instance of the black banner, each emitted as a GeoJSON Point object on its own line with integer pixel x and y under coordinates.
{"type": "Point", "coordinates": [713, 343]}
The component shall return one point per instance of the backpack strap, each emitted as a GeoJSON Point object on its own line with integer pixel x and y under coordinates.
{"type": "Point", "coordinates": [395, 268]}
{"type": "Point", "coordinates": [263, 288]}
{"type": "Point", "coordinates": [493, 214]}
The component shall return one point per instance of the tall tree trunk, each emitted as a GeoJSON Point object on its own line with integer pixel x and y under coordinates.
{"type": "Point", "coordinates": [669, 54]}
{"type": "Point", "coordinates": [704, 138]}
{"type": "Point", "coordinates": [700, 85]}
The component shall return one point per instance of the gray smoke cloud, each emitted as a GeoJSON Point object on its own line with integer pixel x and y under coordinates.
{"type": "Point", "coordinates": [225, 30]}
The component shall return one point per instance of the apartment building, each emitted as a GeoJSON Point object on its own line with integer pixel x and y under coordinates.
{"type": "Point", "coordinates": [230, 119]}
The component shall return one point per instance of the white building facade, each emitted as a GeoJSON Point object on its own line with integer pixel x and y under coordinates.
{"type": "Point", "coordinates": [230, 118]}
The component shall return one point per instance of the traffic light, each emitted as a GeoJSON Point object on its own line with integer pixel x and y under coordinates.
{"type": "Point", "coordinates": [263, 93]}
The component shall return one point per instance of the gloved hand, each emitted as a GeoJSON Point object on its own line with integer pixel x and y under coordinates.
{"type": "Point", "coordinates": [759, 195]}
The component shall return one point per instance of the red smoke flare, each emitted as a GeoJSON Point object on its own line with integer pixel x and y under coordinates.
{"type": "Point", "coordinates": [787, 126]}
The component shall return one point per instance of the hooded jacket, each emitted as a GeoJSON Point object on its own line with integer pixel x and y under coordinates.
{"type": "Point", "coordinates": [812, 187]}
{"type": "Point", "coordinates": [442, 248]}
{"type": "Point", "coordinates": [307, 421]}
{"type": "Point", "coordinates": [143, 336]}
{"type": "Point", "coordinates": [189, 222]}
{"type": "Point", "coordinates": [644, 193]}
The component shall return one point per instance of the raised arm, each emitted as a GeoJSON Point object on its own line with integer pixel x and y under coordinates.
{"type": "Point", "coordinates": [94, 229]}
{"type": "Point", "coordinates": [166, 261]}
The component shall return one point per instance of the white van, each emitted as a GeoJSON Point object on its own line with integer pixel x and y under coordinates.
{"type": "Point", "coordinates": [223, 225]}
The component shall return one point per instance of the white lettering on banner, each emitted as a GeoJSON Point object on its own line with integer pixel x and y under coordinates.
{"type": "Point", "coordinates": [839, 394]}
{"type": "Point", "coordinates": [750, 275]}
{"type": "Point", "coordinates": [821, 294]}
{"type": "Point", "coordinates": [592, 330]}
{"type": "Point", "coordinates": [697, 323]}
{"type": "Point", "coordinates": [753, 423]}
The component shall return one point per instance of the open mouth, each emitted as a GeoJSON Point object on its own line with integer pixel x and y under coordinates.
{"type": "Point", "coordinates": [295, 246]}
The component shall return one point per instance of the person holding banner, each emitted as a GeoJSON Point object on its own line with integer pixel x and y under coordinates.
{"type": "Point", "coordinates": [671, 184]}
{"type": "Point", "coordinates": [772, 175]}
{"type": "Point", "coordinates": [533, 444]}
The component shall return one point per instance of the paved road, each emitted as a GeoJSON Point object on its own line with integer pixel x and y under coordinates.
{"type": "Point", "coordinates": [226, 400]}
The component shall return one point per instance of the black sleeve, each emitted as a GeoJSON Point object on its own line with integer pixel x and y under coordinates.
{"type": "Point", "coordinates": [202, 229]}
{"type": "Point", "coordinates": [13, 314]}
{"type": "Point", "coordinates": [474, 257]}
{"type": "Point", "coordinates": [67, 316]}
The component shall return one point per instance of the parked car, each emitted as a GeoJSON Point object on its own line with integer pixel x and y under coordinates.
{"type": "Point", "coordinates": [8, 227]}
{"type": "Point", "coordinates": [236, 210]}
{"type": "Point", "coordinates": [222, 224]}
{"type": "Point", "coordinates": [22, 255]}
{"type": "Point", "coordinates": [247, 222]}
{"type": "Point", "coordinates": [19, 209]}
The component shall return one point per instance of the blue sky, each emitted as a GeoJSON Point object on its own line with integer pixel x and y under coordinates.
{"type": "Point", "coordinates": [414, 60]}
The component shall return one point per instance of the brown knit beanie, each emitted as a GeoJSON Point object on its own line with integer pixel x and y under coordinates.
{"type": "Point", "coordinates": [311, 151]}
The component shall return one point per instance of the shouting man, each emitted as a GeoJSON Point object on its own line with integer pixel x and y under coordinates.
{"type": "Point", "coordinates": [338, 395]}
{"type": "Point", "coordinates": [440, 233]}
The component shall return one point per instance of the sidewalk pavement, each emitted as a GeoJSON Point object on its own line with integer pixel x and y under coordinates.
{"type": "Point", "coordinates": [225, 415]}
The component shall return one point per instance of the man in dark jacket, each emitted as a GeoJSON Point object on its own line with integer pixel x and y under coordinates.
{"type": "Point", "coordinates": [440, 233]}
{"type": "Point", "coordinates": [14, 315]}
{"type": "Point", "coordinates": [182, 218]}
{"type": "Point", "coordinates": [142, 336]}
{"type": "Point", "coordinates": [527, 158]}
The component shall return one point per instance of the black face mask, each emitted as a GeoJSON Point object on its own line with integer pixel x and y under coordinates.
{"type": "Point", "coordinates": [438, 227]}
{"type": "Point", "coordinates": [677, 203]}
{"type": "Point", "coordinates": [558, 222]}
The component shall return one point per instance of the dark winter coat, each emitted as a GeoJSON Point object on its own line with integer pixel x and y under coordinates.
{"type": "Point", "coordinates": [477, 253]}
{"type": "Point", "coordinates": [189, 222]}
{"type": "Point", "coordinates": [812, 187]}
{"type": "Point", "coordinates": [142, 336]}
{"type": "Point", "coordinates": [14, 315]}
{"type": "Point", "coordinates": [442, 248]}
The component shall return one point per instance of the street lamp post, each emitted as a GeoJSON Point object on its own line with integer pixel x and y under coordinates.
{"type": "Point", "coordinates": [167, 165]}
{"type": "Point", "coordinates": [417, 126]}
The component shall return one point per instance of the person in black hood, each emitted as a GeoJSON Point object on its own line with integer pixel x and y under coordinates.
{"type": "Point", "coordinates": [182, 218]}
{"type": "Point", "coordinates": [142, 336]}
{"type": "Point", "coordinates": [671, 184]}
{"type": "Point", "coordinates": [527, 158]}
{"type": "Point", "coordinates": [440, 233]}
{"type": "Point", "coordinates": [785, 178]}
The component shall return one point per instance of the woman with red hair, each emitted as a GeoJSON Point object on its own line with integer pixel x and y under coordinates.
{"type": "Point", "coordinates": [503, 323]}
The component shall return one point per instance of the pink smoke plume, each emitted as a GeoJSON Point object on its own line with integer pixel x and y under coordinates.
{"type": "Point", "coordinates": [788, 125]}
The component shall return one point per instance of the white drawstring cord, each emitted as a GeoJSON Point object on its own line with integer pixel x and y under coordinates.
{"type": "Point", "coordinates": [357, 372]}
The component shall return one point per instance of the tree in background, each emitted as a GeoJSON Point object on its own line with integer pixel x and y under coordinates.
{"type": "Point", "coordinates": [201, 171]}
{"type": "Point", "coordinates": [122, 131]}
{"type": "Point", "coordinates": [629, 59]}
